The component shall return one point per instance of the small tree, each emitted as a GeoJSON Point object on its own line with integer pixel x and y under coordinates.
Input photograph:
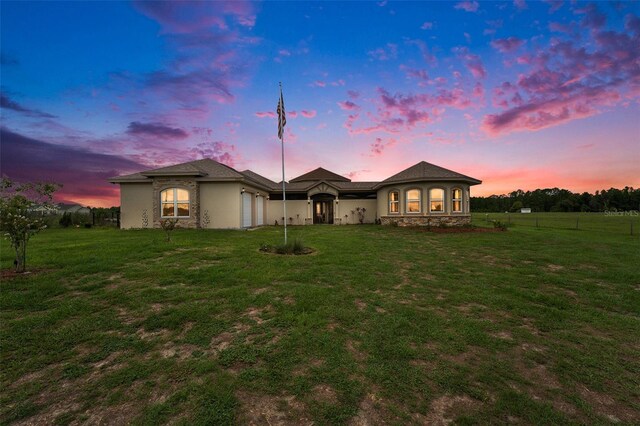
{"type": "Point", "coordinates": [516, 206]}
{"type": "Point", "coordinates": [17, 222]}
{"type": "Point", "coordinates": [169, 225]}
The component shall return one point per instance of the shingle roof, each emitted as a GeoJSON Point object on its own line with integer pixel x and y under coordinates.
{"type": "Point", "coordinates": [203, 170]}
{"type": "Point", "coordinates": [427, 171]}
{"type": "Point", "coordinates": [260, 179]}
{"type": "Point", "coordinates": [320, 174]}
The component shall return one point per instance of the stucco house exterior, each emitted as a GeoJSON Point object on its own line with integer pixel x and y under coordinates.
{"type": "Point", "coordinates": [208, 194]}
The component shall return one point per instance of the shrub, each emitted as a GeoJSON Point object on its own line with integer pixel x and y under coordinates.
{"type": "Point", "coordinates": [169, 225]}
{"type": "Point", "coordinates": [292, 247]}
{"type": "Point", "coordinates": [502, 226]}
{"type": "Point", "coordinates": [17, 221]}
{"type": "Point", "coordinates": [65, 220]}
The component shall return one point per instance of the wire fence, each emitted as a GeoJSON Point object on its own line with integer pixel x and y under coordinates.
{"type": "Point", "coordinates": [610, 222]}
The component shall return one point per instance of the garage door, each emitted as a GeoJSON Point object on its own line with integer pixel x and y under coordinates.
{"type": "Point", "coordinates": [246, 210]}
{"type": "Point", "coordinates": [259, 210]}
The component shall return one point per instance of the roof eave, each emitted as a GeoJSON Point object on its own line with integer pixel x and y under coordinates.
{"type": "Point", "coordinates": [469, 180]}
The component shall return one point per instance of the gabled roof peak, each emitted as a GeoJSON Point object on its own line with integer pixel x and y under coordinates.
{"type": "Point", "coordinates": [320, 174]}
{"type": "Point", "coordinates": [427, 171]}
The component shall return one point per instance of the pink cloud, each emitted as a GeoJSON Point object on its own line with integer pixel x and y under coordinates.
{"type": "Point", "coordinates": [520, 4]}
{"type": "Point", "coordinates": [348, 106]}
{"type": "Point", "coordinates": [318, 83]}
{"type": "Point", "coordinates": [467, 6]}
{"type": "Point", "coordinates": [216, 150]}
{"type": "Point", "coordinates": [593, 18]}
{"type": "Point", "coordinates": [265, 114]}
{"type": "Point", "coordinates": [426, 26]}
{"type": "Point", "coordinates": [419, 74]}
{"type": "Point", "coordinates": [308, 114]}
{"type": "Point", "coordinates": [506, 45]}
{"type": "Point", "coordinates": [539, 115]}
{"type": "Point", "coordinates": [554, 5]}
{"type": "Point", "coordinates": [379, 145]}
{"type": "Point", "coordinates": [353, 94]}
{"type": "Point", "coordinates": [390, 51]}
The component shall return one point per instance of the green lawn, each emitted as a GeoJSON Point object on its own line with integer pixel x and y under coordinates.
{"type": "Point", "coordinates": [621, 223]}
{"type": "Point", "coordinates": [379, 325]}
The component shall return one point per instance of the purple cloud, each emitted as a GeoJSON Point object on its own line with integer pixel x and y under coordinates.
{"type": "Point", "coordinates": [157, 130]}
{"type": "Point", "coordinates": [7, 103]}
{"type": "Point", "coordinates": [467, 6]}
{"type": "Point", "coordinates": [506, 45]}
{"type": "Point", "coordinates": [81, 171]}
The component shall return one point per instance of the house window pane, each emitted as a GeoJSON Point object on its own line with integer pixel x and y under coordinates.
{"type": "Point", "coordinates": [175, 202]}
{"type": "Point", "coordinates": [437, 200]}
{"type": "Point", "coordinates": [413, 201]}
{"type": "Point", "coordinates": [394, 205]}
{"type": "Point", "coordinates": [167, 209]}
{"type": "Point", "coordinates": [457, 200]}
{"type": "Point", "coordinates": [167, 195]}
{"type": "Point", "coordinates": [183, 209]}
{"type": "Point", "coordinates": [183, 195]}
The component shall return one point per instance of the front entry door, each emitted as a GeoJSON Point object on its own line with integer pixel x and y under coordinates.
{"type": "Point", "coordinates": [323, 211]}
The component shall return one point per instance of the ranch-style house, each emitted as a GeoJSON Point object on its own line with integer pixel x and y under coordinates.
{"type": "Point", "coordinates": [208, 194]}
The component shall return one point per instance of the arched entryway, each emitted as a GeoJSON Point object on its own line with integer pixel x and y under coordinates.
{"type": "Point", "coordinates": [322, 208]}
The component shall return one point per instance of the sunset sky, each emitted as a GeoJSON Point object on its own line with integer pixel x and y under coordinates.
{"type": "Point", "coordinates": [521, 95]}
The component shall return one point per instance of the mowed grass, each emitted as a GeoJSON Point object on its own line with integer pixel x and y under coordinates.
{"type": "Point", "coordinates": [621, 223]}
{"type": "Point", "coordinates": [381, 325]}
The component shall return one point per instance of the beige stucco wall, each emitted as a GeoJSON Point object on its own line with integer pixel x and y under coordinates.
{"type": "Point", "coordinates": [222, 203]}
{"type": "Point", "coordinates": [424, 187]}
{"type": "Point", "coordinates": [135, 200]}
{"type": "Point", "coordinates": [344, 207]}
{"type": "Point", "coordinates": [296, 209]}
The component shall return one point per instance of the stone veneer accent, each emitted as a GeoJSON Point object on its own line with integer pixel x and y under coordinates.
{"type": "Point", "coordinates": [426, 220]}
{"type": "Point", "coordinates": [160, 184]}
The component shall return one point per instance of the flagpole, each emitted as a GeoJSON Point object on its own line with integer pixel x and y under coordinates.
{"type": "Point", "coordinates": [284, 194]}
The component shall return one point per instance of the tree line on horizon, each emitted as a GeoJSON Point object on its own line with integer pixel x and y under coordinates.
{"type": "Point", "coordinates": [560, 200]}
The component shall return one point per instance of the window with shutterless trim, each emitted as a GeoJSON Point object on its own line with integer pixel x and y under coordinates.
{"type": "Point", "coordinates": [175, 203]}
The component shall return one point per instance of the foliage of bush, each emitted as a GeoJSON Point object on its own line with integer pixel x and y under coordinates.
{"type": "Point", "coordinates": [292, 247]}
{"type": "Point", "coordinates": [502, 226]}
{"type": "Point", "coordinates": [65, 220]}
{"type": "Point", "coordinates": [168, 225]}
{"type": "Point", "coordinates": [18, 222]}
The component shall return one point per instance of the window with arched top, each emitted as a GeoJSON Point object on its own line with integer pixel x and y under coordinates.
{"type": "Point", "coordinates": [436, 200]}
{"type": "Point", "coordinates": [174, 202]}
{"type": "Point", "coordinates": [414, 202]}
{"type": "Point", "coordinates": [456, 200]}
{"type": "Point", "coordinates": [394, 202]}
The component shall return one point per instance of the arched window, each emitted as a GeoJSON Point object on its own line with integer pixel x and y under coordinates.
{"type": "Point", "coordinates": [175, 202]}
{"type": "Point", "coordinates": [413, 201]}
{"type": "Point", "coordinates": [394, 202]}
{"type": "Point", "coordinates": [456, 200]}
{"type": "Point", "coordinates": [436, 198]}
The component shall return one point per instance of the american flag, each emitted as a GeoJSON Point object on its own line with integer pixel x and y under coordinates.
{"type": "Point", "coordinates": [282, 118]}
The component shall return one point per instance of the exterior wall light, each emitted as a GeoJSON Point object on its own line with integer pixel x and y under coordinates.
{"type": "Point", "coordinates": [257, 194]}
{"type": "Point", "coordinates": [242, 192]}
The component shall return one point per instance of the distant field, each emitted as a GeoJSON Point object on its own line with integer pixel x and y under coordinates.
{"type": "Point", "coordinates": [381, 325]}
{"type": "Point", "coordinates": [615, 223]}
